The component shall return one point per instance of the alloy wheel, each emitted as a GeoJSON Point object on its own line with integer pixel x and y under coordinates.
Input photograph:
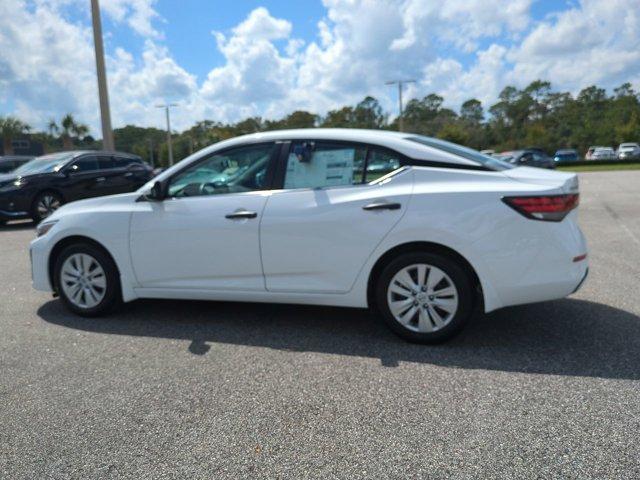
{"type": "Point", "coordinates": [422, 298]}
{"type": "Point", "coordinates": [47, 204]}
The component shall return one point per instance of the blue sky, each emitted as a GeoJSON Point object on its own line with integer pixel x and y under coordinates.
{"type": "Point", "coordinates": [270, 57]}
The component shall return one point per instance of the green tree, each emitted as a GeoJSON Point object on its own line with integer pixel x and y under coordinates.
{"type": "Point", "coordinates": [10, 128]}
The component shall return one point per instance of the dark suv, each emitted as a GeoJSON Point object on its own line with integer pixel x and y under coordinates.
{"type": "Point", "coordinates": [37, 188]}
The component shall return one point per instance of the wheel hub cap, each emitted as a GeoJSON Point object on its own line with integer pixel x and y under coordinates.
{"type": "Point", "coordinates": [83, 280]}
{"type": "Point", "coordinates": [422, 298]}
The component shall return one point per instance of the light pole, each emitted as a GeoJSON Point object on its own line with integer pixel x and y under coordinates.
{"type": "Point", "coordinates": [169, 146]}
{"type": "Point", "coordinates": [400, 84]}
{"type": "Point", "coordinates": [103, 91]}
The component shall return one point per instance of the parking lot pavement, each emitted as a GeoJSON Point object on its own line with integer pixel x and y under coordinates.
{"type": "Point", "coordinates": [169, 389]}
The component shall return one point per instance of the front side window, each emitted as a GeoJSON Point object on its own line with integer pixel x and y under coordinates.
{"type": "Point", "coordinates": [85, 164]}
{"type": "Point", "coordinates": [237, 170]}
{"type": "Point", "coordinates": [324, 164]}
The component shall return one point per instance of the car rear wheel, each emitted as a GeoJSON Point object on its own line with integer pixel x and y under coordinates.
{"type": "Point", "coordinates": [44, 205]}
{"type": "Point", "coordinates": [87, 280]}
{"type": "Point", "coordinates": [424, 297]}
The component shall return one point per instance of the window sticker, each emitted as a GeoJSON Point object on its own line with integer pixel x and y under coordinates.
{"type": "Point", "coordinates": [327, 168]}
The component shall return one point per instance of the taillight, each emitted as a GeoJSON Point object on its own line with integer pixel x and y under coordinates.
{"type": "Point", "coordinates": [550, 208]}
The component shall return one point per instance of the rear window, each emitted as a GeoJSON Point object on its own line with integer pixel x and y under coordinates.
{"type": "Point", "coordinates": [486, 161]}
{"type": "Point", "coordinates": [123, 162]}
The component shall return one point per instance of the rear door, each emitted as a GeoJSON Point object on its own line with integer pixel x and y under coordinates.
{"type": "Point", "coordinates": [318, 231]}
{"type": "Point", "coordinates": [133, 173]}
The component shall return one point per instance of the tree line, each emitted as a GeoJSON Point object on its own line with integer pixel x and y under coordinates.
{"type": "Point", "coordinates": [536, 116]}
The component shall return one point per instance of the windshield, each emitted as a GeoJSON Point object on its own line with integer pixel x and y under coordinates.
{"type": "Point", "coordinates": [491, 163]}
{"type": "Point", "coordinates": [44, 164]}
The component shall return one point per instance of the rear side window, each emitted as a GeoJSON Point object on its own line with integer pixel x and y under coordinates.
{"type": "Point", "coordinates": [490, 163]}
{"type": "Point", "coordinates": [85, 164]}
{"type": "Point", "coordinates": [324, 164]}
{"type": "Point", "coordinates": [124, 162]}
{"type": "Point", "coordinates": [105, 162]}
{"type": "Point", "coordinates": [380, 163]}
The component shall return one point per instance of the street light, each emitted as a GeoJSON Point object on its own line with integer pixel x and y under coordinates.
{"type": "Point", "coordinates": [166, 107]}
{"type": "Point", "coordinates": [400, 84]}
{"type": "Point", "coordinates": [103, 92]}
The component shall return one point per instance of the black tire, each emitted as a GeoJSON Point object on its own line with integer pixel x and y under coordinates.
{"type": "Point", "coordinates": [37, 215]}
{"type": "Point", "coordinates": [453, 270]}
{"type": "Point", "coordinates": [112, 296]}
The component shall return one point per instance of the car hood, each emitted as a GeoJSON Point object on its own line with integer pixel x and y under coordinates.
{"type": "Point", "coordinates": [7, 178]}
{"type": "Point", "coordinates": [566, 181]}
{"type": "Point", "coordinates": [111, 203]}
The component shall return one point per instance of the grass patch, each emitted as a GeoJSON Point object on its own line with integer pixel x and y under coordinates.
{"type": "Point", "coordinates": [600, 168]}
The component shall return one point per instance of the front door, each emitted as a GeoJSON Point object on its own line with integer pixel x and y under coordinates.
{"type": "Point", "coordinates": [319, 231]}
{"type": "Point", "coordinates": [85, 179]}
{"type": "Point", "coordinates": [205, 235]}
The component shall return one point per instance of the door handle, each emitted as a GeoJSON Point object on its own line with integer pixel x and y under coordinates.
{"type": "Point", "coordinates": [382, 206]}
{"type": "Point", "coordinates": [100, 179]}
{"type": "Point", "coordinates": [239, 214]}
{"type": "Point", "coordinates": [128, 174]}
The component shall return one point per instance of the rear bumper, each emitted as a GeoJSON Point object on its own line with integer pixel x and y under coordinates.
{"type": "Point", "coordinates": [586, 274]}
{"type": "Point", "coordinates": [547, 261]}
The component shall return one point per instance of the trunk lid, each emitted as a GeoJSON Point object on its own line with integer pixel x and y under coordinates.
{"type": "Point", "coordinates": [567, 182]}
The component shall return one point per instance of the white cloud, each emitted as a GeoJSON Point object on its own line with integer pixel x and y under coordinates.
{"type": "Point", "coordinates": [47, 66]}
{"type": "Point", "coordinates": [138, 14]}
{"type": "Point", "coordinates": [597, 41]}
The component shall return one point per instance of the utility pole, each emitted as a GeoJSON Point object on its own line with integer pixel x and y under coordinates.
{"type": "Point", "coordinates": [169, 146]}
{"type": "Point", "coordinates": [400, 84]}
{"type": "Point", "coordinates": [103, 91]}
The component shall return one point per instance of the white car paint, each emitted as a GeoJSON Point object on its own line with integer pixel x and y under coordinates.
{"type": "Point", "coordinates": [318, 246]}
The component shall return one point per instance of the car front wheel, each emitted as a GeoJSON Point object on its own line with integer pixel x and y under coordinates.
{"type": "Point", "coordinates": [44, 205]}
{"type": "Point", "coordinates": [87, 280]}
{"type": "Point", "coordinates": [424, 297]}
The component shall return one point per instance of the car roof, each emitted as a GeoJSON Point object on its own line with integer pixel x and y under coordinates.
{"type": "Point", "coordinates": [77, 153]}
{"type": "Point", "coordinates": [566, 150]}
{"type": "Point", "coordinates": [398, 141]}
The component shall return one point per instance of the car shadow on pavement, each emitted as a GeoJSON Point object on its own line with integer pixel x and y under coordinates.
{"type": "Point", "coordinates": [564, 337]}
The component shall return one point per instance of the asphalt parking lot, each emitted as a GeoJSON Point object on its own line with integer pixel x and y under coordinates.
{"type": "Point", "coordinates": [169, 389]}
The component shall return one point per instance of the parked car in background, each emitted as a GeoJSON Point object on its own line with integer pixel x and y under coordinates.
{"type": "Point", "coordinates": [39, 187]}
{"type": "Point", "coordinates": [303, 219]}
{"type": "Point", "coordinates": [590, 150]}
{"type": "Point", "coordinates": [603, 153]}
{"type": "Point", "coordinates": [9, 163]}
{"type": "Point", "coordinates": [566, 155]}
{"type": "Point", "coordinates": [488, 152]}
{"type": "Point", "coordinates": [528, 158]}
{"type": "Point", "coordinates": [628, 151]}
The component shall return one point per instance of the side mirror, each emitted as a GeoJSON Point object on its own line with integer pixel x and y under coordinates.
{"type": "Point", "coordinates": [158, 192]}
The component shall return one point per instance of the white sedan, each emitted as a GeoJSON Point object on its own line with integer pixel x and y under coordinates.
{"type": "Point", "coordinates": [425, 231]}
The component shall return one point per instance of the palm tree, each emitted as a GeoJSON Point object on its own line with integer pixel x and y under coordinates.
{"type": "Point", "coordinates": [70, 129]}
{"type": "Point", "coordinates": [11, 127]}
